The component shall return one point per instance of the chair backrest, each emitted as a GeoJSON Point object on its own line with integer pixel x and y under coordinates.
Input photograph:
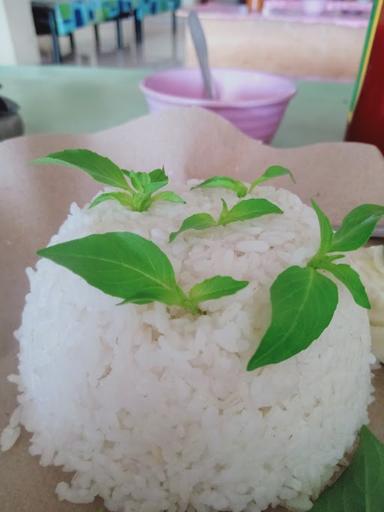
{"type": "Point", "coordinates": [127, 6]}
{"type": "Point", "coordinates": [111, 9]}
{"type": "Point", "coordinates": [94, 9]}
{"type": "Point", "coordinates": [81, 13]}
{"type": "Point", "coordinates": [65, 18]}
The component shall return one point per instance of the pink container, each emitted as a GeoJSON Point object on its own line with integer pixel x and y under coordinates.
{"type": "Point", "coordinates": [254, 102]}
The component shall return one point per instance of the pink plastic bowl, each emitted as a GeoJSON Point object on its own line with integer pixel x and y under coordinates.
{"type": "Point", "coordinates": [254, 102]}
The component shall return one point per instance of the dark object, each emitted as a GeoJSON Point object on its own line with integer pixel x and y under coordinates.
{"type": "Point", "coordinates": [367, 106]}
{"type": "Point", "coordinates": [72, 42]}
{"type": "Point", "coordinates": [97, 36]}
{"type": "Point", "coordinates": [119, 34]}
{"type": "Point", "coordinates": [11, 124]}
{"type": "Point", "coordinates": [138, 29]}
{"type": "Point", "coordinates": [45, 23]}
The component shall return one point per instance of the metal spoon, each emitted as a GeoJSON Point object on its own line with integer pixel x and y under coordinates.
{"type": "Point", "coordinates": [201, 49]}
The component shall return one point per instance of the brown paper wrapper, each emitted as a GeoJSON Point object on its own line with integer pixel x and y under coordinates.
{"type": "Point", "coordinates": [189, 143]}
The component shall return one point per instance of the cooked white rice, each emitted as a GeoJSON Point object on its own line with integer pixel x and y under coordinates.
{"type": "Point", "coordinates": [152, 408]}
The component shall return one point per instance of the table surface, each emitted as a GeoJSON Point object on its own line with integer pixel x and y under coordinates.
{"type": "Point", "coordinates": [63, 99]}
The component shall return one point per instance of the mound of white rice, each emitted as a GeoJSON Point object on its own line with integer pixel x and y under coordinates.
{"type": "Point", "coordinates": [153, 408]}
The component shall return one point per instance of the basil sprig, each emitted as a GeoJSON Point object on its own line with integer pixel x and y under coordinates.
{"type": "Point", "coordinates": [357, 227]}
{"type": "Point", "coordinates": [303, 302]}
{"type": "Point", "coordinates": [243, 210]}
{"type": "Point", "coordinates": [360, 488]}
{"type": "Point", "coordinates": [241, 189]}
{"type": "Point", "coordinates": [137, 187]}
{"type": "Point", "coordinates": [128, 266]}
{"type": "Point", "coordinates": [304, 299]}
{"type": "Point", "coordinates": [236, 186]}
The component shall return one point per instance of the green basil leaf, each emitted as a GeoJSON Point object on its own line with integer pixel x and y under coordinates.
{"type": "Point", "coordinates": [215, 287]}
{"type": "Point", "coordinates": [147, 182]}
{"type": "Point", "coordinates": [196, 221]}
{"type": "Point", "coordinates": [334, 257]}
{"type": "Point", "coordinates": [99, 167]}
{"type": "Point", "coordinates": [140, 180]}
{"type": "Point", "coordinates": [158, 176]}
{"type": "Point", "coordinates": [121, 197]}
{"type": "Point", "coordinates": [361, 487]}
{"type": "Point", "coordinates": [225, 209]}
{"type": "Point", "coordinates": [357, 227]}
{"type": "Point", "coordinates": [123, 265]}
{"type": "Point", "coordinates": [303, 303]}
{"type": "Point", "coordinates": [158, 180]}
{"type": "Point", "coordinates": [140, 201]}
{"type": "Point", "coordinates": [223, 213]}
{"type": "Point", "coordinates": [326, 231]}
{"type": "Point", "coordinates": [274, 171]}
{"type": "Point", "coordinates": [126, 173]}
{"type": "Point", "coordinates": [224, 182]}
{"type": "Point", "coordinates": [169, 196]}
{"type": "Point", "coordinates": [351, 279]}
{"type": "Point", "coordinates": [248, 209]}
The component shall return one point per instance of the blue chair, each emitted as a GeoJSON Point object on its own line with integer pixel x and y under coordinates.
{"type": "Point", "coordinates": [65, 18]}
{"type": "Point", "coordinates": [95, 10]}
{"type": "Point", "coordinates": [111, 9]}
{"type": "Point", "coordinates": [82, 14]}
{"type": "Point", "coordinates": [127, 7]}
{"type": "Point", "coordinates": [56, 18]}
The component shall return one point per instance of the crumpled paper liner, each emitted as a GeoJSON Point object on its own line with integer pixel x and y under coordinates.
{"type": "Point", "coordinates": [189, 143]}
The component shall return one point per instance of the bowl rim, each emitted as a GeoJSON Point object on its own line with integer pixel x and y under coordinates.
{"type": "Point", "coordinates": [182, 100]}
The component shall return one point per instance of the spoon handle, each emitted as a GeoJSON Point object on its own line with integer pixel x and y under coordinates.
{"type": "Point", "coordinates": [200, 44]}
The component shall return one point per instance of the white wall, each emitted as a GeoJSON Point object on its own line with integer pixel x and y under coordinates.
{"type": "Point", "coordinates": [7, 53]}
{"type": "Point", "coordinates": [18, 41]}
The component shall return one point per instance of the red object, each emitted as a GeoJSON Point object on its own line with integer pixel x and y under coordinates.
{"type": "Point", "coordinates": [367, 123]}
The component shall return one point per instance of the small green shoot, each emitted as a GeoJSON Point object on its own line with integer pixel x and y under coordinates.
{"type": "Point", "coordinates": [242, 189]}
{"type": "Point", "coordinates": [138, 188]}
{"type": "Point", "coordinates": [243, 210]}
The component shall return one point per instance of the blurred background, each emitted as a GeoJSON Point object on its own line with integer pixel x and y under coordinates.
{"type": "Point", "coordinates": [76, 65]}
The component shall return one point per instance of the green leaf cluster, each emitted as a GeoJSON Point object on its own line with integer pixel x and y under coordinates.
{"type": "Point", "coordinates": [136, 270]}
{"type": "Point", "coordinates": [138, 188]}
{"type": "Point", "coordinates": [240, 188]}
{"type": "Point", "coordinates": [243, 210]}
{"type": "Point", "coordinates": [127, 266]}
{"type": "Point", "coordinates": [304, 299]}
